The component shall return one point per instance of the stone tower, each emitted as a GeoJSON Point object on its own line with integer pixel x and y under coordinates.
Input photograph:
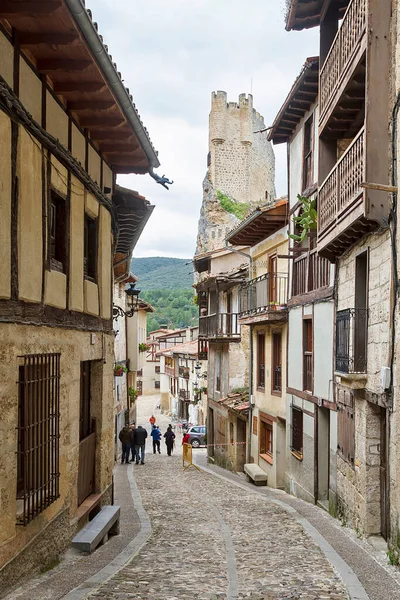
{"type": "Point", "coordinates": [241, 165]}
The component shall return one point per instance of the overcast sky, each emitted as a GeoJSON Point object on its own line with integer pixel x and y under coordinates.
{"type": "Point", "coordinates": [172, 55]}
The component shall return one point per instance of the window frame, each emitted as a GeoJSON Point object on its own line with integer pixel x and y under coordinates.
{"type": "Point", "coordinates": [266, 437]}
{"type": "Point", "coordinates": [307, 353]}
{"type": "Point", "coordinates": [57, 231]}
{"type": "Point", "coordinates": [261, 365]}
{"type": "Point", "coordinates": [308, 154]}
{"type": "Point", "coordinates": [90, 248]}
{"type": "Point", "coordinates": [297, 451]}
{"type": "Point", "coordinates": [275, 390]}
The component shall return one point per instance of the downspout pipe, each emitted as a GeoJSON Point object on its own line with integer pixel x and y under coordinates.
{"type": "Point", "coordinates": [105, 63]}
{"type": "Point", "coordinates": [250, 421]}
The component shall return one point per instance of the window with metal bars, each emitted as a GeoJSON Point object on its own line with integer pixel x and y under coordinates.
{"type": "Point", "coordinates": [38, 428]}
{"type": "Point", "coordinates": [157, 385]}
{"type": "Point", "coordinates": [308, 374]}
{"type": "Point", "coordinates": [277, 363]}
{"type": "Point", "coordinates": [308, 163]}
{"type": "Point", "coordinates": [266, 437]}
{"type": "Point", "coordinates": [261, 361]}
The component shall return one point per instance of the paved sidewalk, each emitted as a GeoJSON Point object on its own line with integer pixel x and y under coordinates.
{"type": "Point", "coordinates": [75, 568]}
{"type": "Point", "coordinates": [380, 580]}
{"type": "Point", "coordinates": [212, 540]}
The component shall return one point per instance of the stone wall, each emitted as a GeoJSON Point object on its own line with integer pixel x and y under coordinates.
{"type": "Point", "coordinates": [241, 165]}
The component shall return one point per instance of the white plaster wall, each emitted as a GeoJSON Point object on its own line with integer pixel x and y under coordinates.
{"type": "Point", "coordinates": [323, 349]}
{"type": "Point", "coordinates": [295, 345]}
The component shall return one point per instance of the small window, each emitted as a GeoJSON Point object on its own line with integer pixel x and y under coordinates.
{"type": "Point", "coordinates": [277, 363]}
{"type": "Point", "coordinates": [266, 437]}
{"type": "Point", "coordinates": [308, 355]}
{"type": "Point", "coordinates": [261, 361]}
{"type": "Point", "coordinates": [218, 371]}
{"type": "Point", "coordinates": [297, 430]}
{"type": "Point", "coordinates": [308, 165]}
{"type": "Point", "coordinates": [90, 251]}
{"type": "Point", "coordinates": [157, 385]}
{"type": "Point", "coordinates": [58, 233]}
{"type": "Point", "coordinates": [157, 369]}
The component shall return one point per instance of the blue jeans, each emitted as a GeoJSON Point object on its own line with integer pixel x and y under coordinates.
{"type": "Point", "coordinates": [125, 452]}
{"type": "Point", "coordinates": [140, 449]}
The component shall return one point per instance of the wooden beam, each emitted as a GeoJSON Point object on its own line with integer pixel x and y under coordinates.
{"type": "Point", "coordinates": [53, 64]}
{"type": "Point", "coordinates": [380, 187]}
{"type": "Point", "coordinates": [78, 105]}
{"type": "Point", "coordinates": [109, 147]}
{"type": "Point", "coordinates": [10, 8]}
{"type": "Point", "coordinates": [101, 121]}
{"type": "Point", "coordinates": [26, 38]}
{"type": "Point", "coordinates": [110, 135]}
{"type": "Point", "coordinates": [65, 87]}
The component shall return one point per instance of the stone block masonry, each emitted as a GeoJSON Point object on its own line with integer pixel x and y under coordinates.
{"type": "Point", "coordinates": [241, 165]}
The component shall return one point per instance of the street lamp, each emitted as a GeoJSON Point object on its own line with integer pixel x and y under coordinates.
{"type": "Point", "coordinates": [133, 303]}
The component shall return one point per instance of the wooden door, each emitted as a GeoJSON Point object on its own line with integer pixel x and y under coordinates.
{"type": "Point", "coordinates": [272, 279]}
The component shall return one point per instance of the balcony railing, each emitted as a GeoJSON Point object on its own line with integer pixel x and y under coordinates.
{"type": "Point", "coordinates": [184, 395]}
{"type": "Point", "coordinates": [351, 340]}
{"type": "Point", "coordinates": [170, 371]}
{"type": "Point", "coordinates": [310, 272]}
{"type": "Point", "coordinates": [341, 54]}
{"type": "Point", "coordinates": [342, 188]}
{"type": "Point", "coordinates": [264, 294]}
{"type": "Point", "coordinates": [308, 371]}
{"type": "Point", "coordinates": [219, 326]}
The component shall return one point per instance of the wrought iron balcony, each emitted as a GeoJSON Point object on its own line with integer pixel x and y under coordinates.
{"type": "Point", "coordinates": [351, 340]}
{"type": "Point", "coordinates": [220, 326]}
{"type": "Point", "coordinates": [265, 296]}
{"type": "Point", "coordinates": [346, 49]}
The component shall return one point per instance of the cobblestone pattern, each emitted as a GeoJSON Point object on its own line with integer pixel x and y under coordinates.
{"type": "Point", "coordinates": [197, 521]}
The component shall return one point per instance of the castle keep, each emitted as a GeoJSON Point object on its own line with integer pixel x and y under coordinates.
{"type": "Point", "coordinates": [241, 165]}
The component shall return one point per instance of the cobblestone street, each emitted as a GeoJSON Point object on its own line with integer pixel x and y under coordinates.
{"type": "Point", "coordinates": [204, 533]}
{"type": "Point", "coordinates": [210, 535]}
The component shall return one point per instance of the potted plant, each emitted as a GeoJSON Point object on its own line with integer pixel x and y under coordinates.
{"type": "Point", "coordinates": [204, 390]}
{"type": "Point", "coordinates": [133, 394]}
{"type": "Point", "coordinates": [144, 347]}
{"type": "Point", "coordinates": [119, 370]}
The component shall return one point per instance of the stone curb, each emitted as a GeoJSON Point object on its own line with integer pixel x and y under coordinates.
{"type": "Point", "coordinates": [354, 587]}
{"type": "Point", "coordinates": [130, 551]}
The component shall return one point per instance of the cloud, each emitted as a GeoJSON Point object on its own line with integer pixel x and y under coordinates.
{"type": "Point", "coordinates": [172, 55]}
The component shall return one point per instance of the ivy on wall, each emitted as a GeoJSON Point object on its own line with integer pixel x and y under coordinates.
{"type": "Point", "coordinates": [239, 209]}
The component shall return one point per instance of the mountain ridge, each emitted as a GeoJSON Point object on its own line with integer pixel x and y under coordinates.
{"type": "Point", "coordinates": [162, 272]}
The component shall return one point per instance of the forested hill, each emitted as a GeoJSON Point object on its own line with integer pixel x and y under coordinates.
{"type": "Point", "coordinates": [160, 273]}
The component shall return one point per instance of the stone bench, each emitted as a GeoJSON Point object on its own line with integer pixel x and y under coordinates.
{"type": "Point", "coordinates": [98, 529]}
{"type": "Point", "coordinates": [255, 474]}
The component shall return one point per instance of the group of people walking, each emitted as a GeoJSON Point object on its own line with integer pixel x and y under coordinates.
{"type": "Point", "coordinates": [133, 440]}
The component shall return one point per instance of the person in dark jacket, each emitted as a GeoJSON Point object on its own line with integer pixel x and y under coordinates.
{"type": "Point", "coordinates": [156, 435]}
{"type": "Point", "coordinates": [169, 439]}
{"type": "Point", "coordinates": [139, 437]}
{"type": "Point", "coordinates": [125, 439]}
{"type": "Point", "coordinates": [132, 428]}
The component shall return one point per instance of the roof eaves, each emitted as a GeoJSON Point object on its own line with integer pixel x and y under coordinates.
{"type": "Point", "coordinates": [83, 18]}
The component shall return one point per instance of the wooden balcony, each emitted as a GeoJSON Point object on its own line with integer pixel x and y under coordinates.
{"type": "Point", "coordinates": [184, 372]}
{"type": "Point", "coordinates": [310, 273]}
{"type": "Point", "coordinates": [344, 213]}
{"type": "Point", "coordinates": [220, 326]}
{"type": "Point", "coordinates": [170, 371]}
{"type": "Point", "coordinates": [184, 395]}
{"type": "Point", "coordinates": [264, 299]}
{"type": "Point", "coordinates": [343, 58]}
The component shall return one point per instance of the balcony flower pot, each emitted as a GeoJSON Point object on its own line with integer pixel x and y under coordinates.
{"type": "Point", "coordinates": [144, 348]}
{"type": "Point", "coordinates": [119, 370]}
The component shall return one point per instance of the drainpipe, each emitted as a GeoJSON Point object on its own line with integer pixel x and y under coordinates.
{"type": "Point", "coordinates": [250, 259]}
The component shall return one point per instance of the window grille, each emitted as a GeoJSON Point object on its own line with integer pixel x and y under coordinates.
{"type": "Point", "coordinates": [38, 435]}
{"type": "Point", "coordinates": [346, 424]}
{"type": "Point", "coordinates": [277, 362]}
{"type": "Point", "coordinates": [157, 385]}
